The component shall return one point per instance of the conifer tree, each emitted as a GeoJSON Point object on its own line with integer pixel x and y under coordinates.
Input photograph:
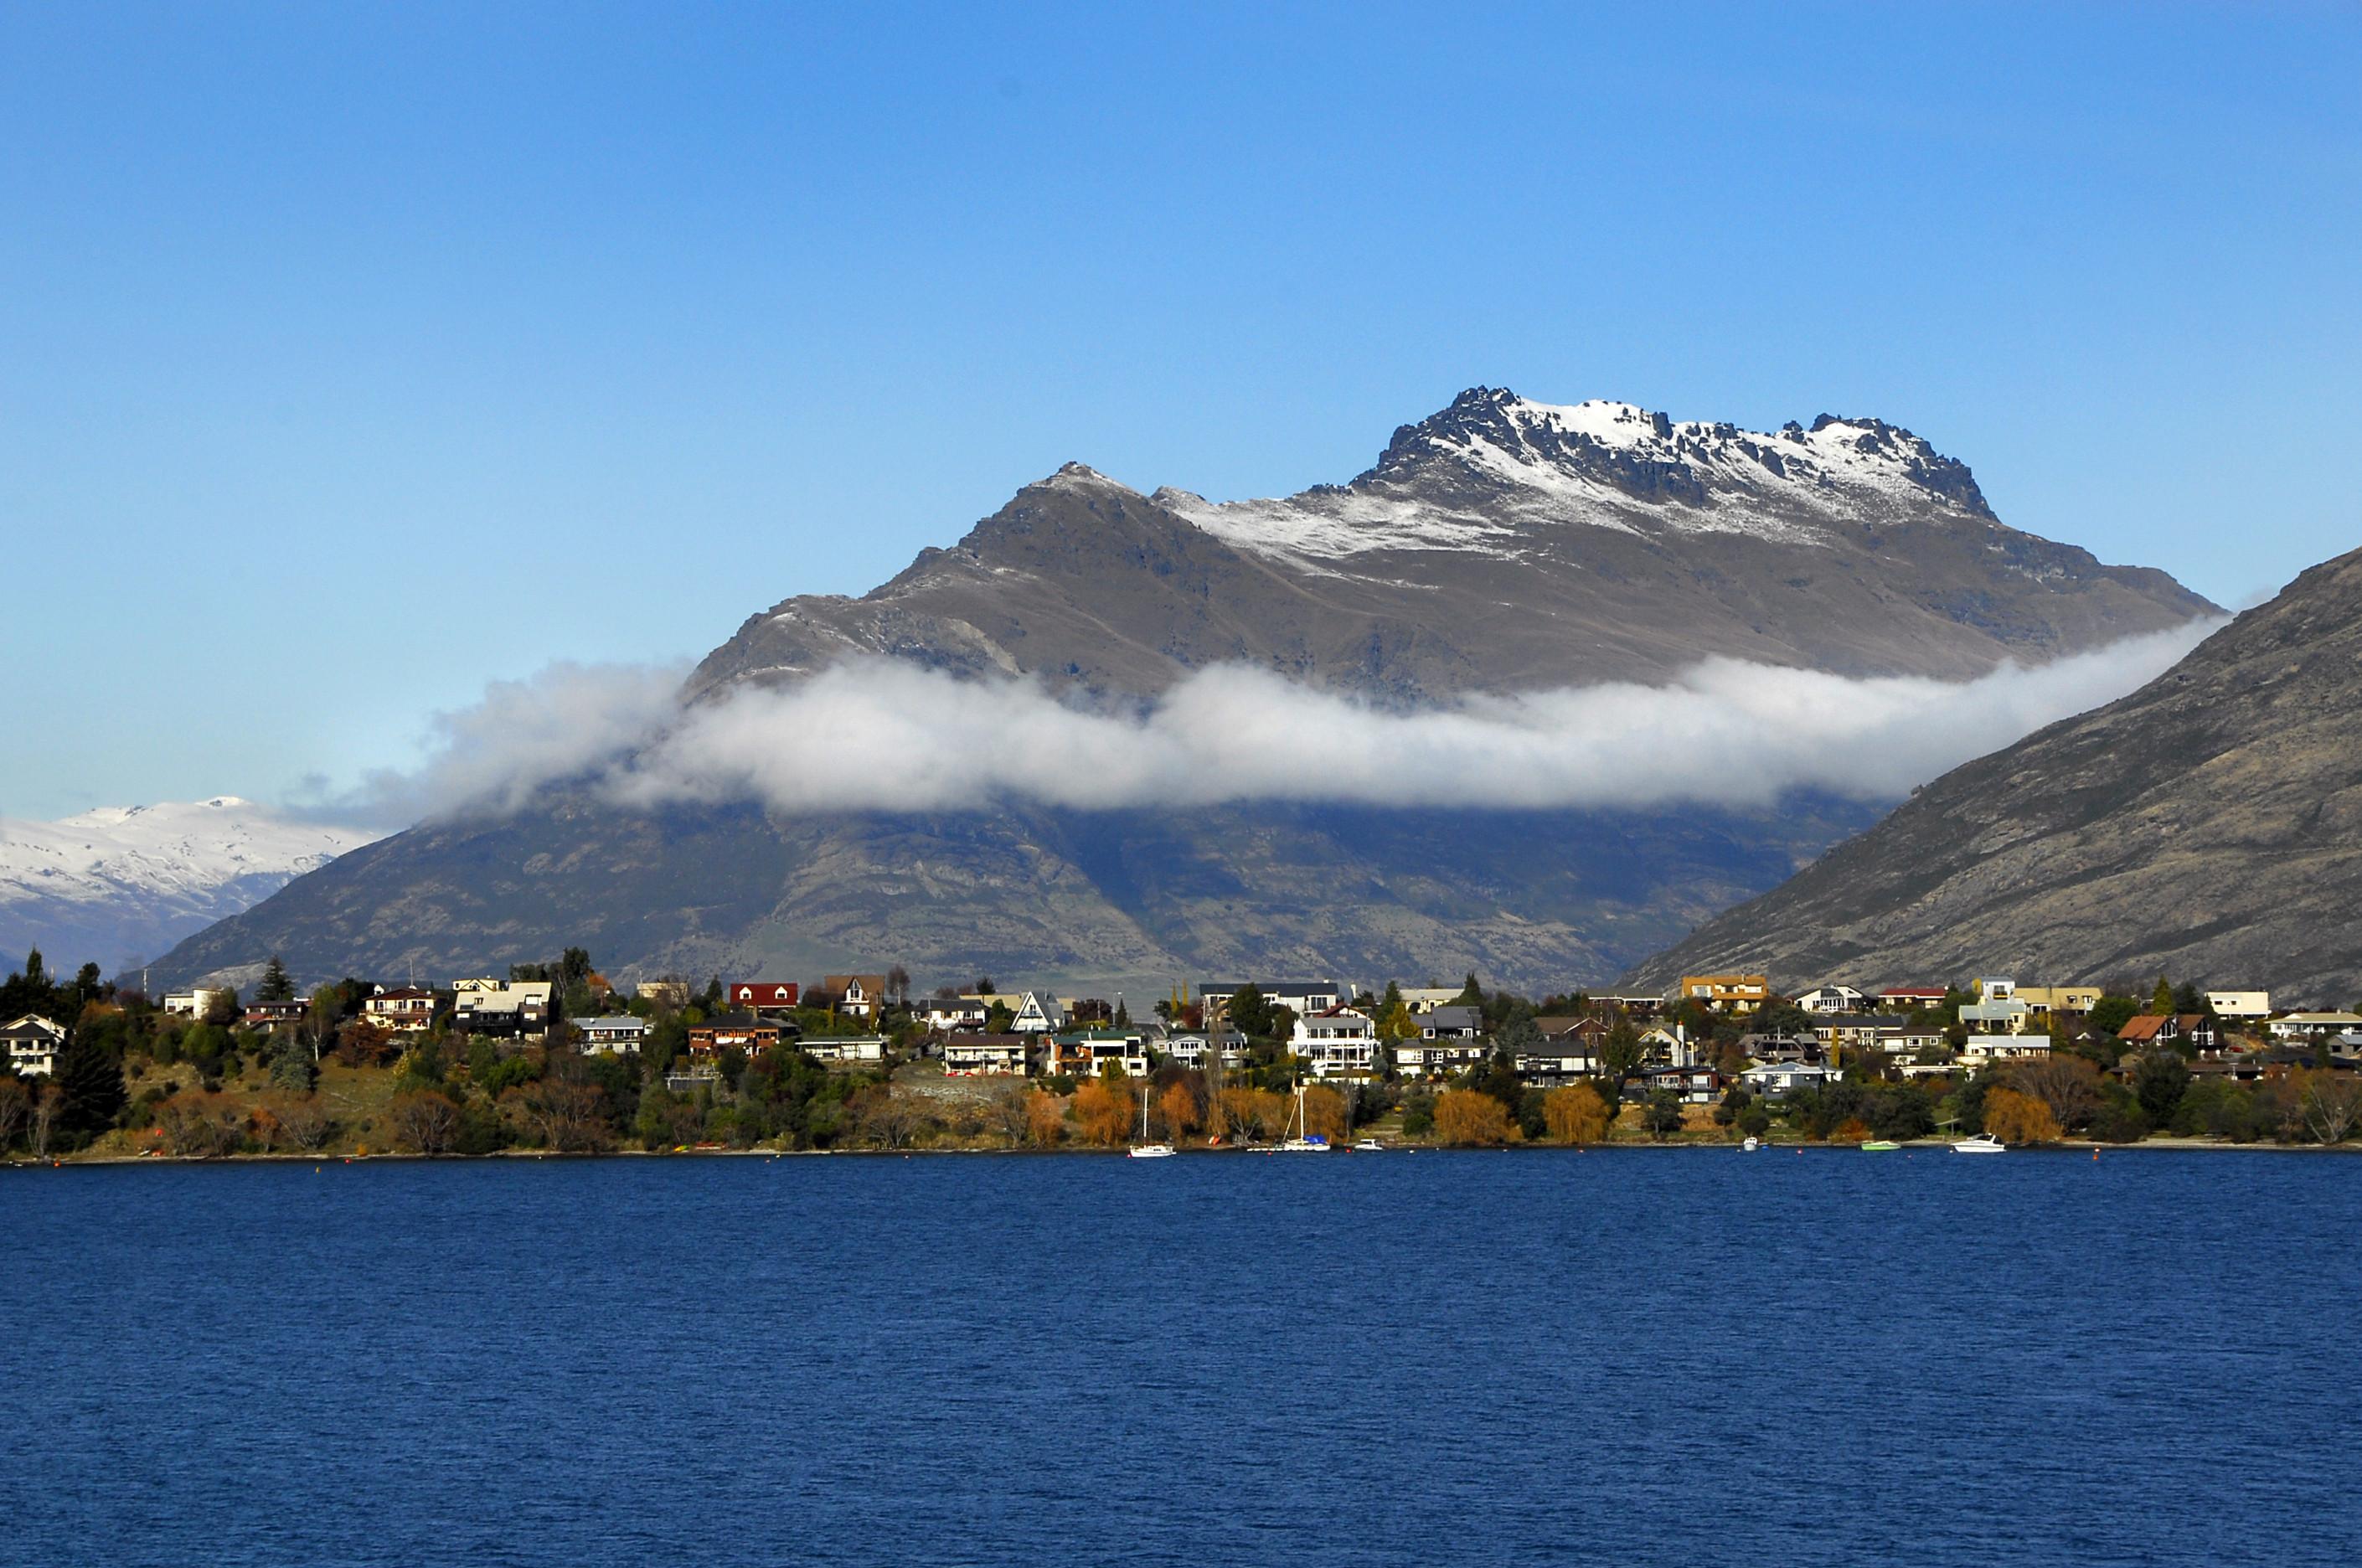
{"type": "Point", "coordinates": [90, 1080]}
{"type": "Point", "coordinates": [276, 986]}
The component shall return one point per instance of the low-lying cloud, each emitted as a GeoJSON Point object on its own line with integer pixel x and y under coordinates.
{"type": "Point", "coordinates": [880, 735]}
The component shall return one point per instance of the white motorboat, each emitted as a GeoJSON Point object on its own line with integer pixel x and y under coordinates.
{"type": "Point", "coordinates": [1752, 1144]}
{"type": "Point", "coordinates": [1369, 1146]}
{"type": "Point", "coordinates": [1982, 1144]}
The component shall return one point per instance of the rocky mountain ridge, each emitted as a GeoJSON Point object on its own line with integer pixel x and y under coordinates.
{"type": "Point", "coordinates": [2207, 826]}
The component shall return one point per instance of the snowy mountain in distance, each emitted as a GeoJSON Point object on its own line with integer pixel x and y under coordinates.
{"type": "Point", "coordinates": [120, 884]}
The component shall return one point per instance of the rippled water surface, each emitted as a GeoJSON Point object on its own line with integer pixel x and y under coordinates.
{"type": "Point", "coordinates": [1646, 1356]}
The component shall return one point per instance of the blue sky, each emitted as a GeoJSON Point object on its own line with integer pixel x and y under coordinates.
{"type": "Point", "coordinates": [352, 357]}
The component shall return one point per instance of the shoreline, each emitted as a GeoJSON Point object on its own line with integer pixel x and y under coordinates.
{"type": "Point", "coordinates": [2065, 1147]}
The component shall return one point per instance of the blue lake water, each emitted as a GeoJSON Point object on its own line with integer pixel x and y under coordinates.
{"type": "Point", "coordinates": [1637, 1356]}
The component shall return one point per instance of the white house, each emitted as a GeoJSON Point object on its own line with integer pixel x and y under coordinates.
{"type": "Point", "coordinates": [404, 1011]}
{"type": "Point", "coordinates": [1996, 1015]}
{"type": "Point", "coordinates": [843, 1047]}
{"type": "Point", "coordinates": [1774, 1080]}
{"type": "Point", "coordinates": [502, 1006]}
{"type": "Point", "coordinates": [1190, 1047]}
{"type": "Point", "coordinates": [33, 1047]}
{"type": "Point", "coordinates": [1669, 1044]}
{"type": "Point", "coordinates": [945, 1014]}
{"type": "Point", "coordinates": [1339, 1042]}
{"type": "Point", "coordinates": [2308, 1025]}
{"type": "Point", "coordinates": [1831, 998]}
{"type": "Point", "coordinates": [2240, 1004]}
{"type": "Point", "coordinates": [1426, 1058]}
{"type": "Point", "coordinates": [1982, 1048]}
{"type": "Point", "coordinates": [1301, 997]}
{"type": "Point", "coordinates": [194, 1003]}
{"type": "Point", "coordinates": [1427, 998]}
{"type": "Point", "coordinates": [619, 1035]}
{"type": "Point", "coordinates": [969, 1054]}
{"type": "Point", "coordinates": [1039, 1012]}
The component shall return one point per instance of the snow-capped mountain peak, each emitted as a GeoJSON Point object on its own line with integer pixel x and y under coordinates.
{"type": "Point", "coordinates": [117, 883]}
{"type": "Point", "coordinates": [1492, 469]}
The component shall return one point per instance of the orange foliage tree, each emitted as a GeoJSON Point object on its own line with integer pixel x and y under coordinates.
{"type": "Point", "coordinates": [2015, 1118]}
{"type": "Point", "coordinates": [1576, 1114]}
{"type": "Point", "coordinates": [1471, 1116]}
{"type": "Point", "coordinates": [1103, 1110]}
{"type": "Point", "coordinates": [1324, 1114]}
{"type": "Point", "coordinates": [1177, 1108]}
{"type": "Point", "coordinates": [1045, 1119]}
{"type": "Point", "coordinates": [1258, 1113]}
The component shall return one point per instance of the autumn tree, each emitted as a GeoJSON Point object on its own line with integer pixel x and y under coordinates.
{"type": "Point", "coordinates": [427, 1120]}
{"type": "Point", "coordinates": [1177, 1108]}
{"type": "Point", "coordinates": [1324, 1114]}
{"type": "Point", "coordinates": [1045, 1119]}
{"type": "Point", "coordinates": [361, 1043]}
{"type": "Point", "coordinates": [2015, 1117]}
{"type": "Point", "coordinates": [2069, 1086]}
{"type": "Point", "coordinates": [1103, 1110]}
{"type": "Point", "coordinates": [1470, 1117]}
{"type": "Point", "coordinates": [1576, 1114]}
{"type": "Point", "coordinates": [199, 1125]}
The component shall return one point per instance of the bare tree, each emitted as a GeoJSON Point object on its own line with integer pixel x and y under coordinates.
{"type": "Point", "coordinates": [2333, 1101]}
{"type": "Point", "coordinates": [307, 1122]}
{"type": "Point", "coordinates": [427, 1120]}
{"type": "Point", "coordinates": [890, 1119]}
{"type": "Point", "coordinates": [898, 983]}
{"type": "Point", "coordinates": [201, 1126]}
{"type": "Point", "coordinates": [48, 1104]}
{"type": "Point", "coordinates": [16, 1104]}
{"type": "Point", "coordinates": [1007, 1111]}
{"type": "Point", "coordinates": [570, 1117]}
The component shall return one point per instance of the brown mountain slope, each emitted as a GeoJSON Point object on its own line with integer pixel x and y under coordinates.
{"type": "Point", "coordinates": [2209, 827]}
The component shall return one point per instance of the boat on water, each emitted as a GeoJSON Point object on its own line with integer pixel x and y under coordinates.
{"type": "Point", "coordinates": [1369, 1146]}
{"type": "Point", "coordinates": [1982, 1144]}
{"type": "Point", "coordinates": [1300, 1142]}
{"type": "Point", "coordinates": [1752, 1145]}
{"type": "Point", "coordinates": [1881, 1146]}
{"type": "Point", "coordinates": [1144, 1150]}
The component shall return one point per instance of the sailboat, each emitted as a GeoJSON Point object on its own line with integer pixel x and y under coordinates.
{"type": "Point", "coordinates": [1303, 1143]}
{"type": "Point", "coordinates": [1144, 1150]}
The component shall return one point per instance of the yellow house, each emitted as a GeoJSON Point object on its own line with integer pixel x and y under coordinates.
{"type": "Point", "coordinates": [1724, 993]}
{"type": "Point", "coordinates": [2048, 1000]}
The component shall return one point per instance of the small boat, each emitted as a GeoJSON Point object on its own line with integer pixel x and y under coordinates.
{"type": "Point", "coordinates": [1881, 1146]}
{"type": "Point", "coordinates": [1144, 1150]}
{"type": "Point", "coordinates": [1302, 1143]}
{"type": "Point", "coordinates": [1752, 1144]}
{"type": "Point", "coordinates": [1982, 1144]}
{"type": "Point", "coordinates": [1369, 1146]}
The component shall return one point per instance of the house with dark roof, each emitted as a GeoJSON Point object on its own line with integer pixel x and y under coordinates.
{"type": "Point", "coordinates": [1452, 1023]}
{"type": "Point", "coordinates": [733, 1030]}
{"type": "Point", "coordinates": [34, 1045]}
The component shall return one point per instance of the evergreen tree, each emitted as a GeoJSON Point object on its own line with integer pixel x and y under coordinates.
{"type": "Point", "coordinates": [91, 1079]}
{"type": "Point", "coordinates": [275, 986]}
{"type": "Point", "coordinates": [2162, 1000]}
{"type": "Point", "coordinates": [1122, 1014]}
{"type": "Point", "coordinates": [292, 1065]}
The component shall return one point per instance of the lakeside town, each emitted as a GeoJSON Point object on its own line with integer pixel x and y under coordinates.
{"type": "Point", "coordinates": [551, 1057]}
